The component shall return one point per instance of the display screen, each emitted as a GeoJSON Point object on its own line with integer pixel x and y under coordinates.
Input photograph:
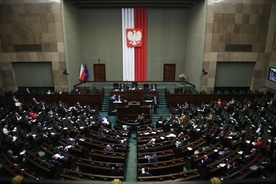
{"type": "Point", "coordinates": [272, 74]}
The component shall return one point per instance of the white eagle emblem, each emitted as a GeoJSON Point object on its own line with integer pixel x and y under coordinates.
{"type": "Point", "coordinates": [134, 37]}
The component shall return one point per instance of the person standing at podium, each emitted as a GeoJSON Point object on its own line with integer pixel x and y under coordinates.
{"type": "Point", "coordinates": [155, 104]}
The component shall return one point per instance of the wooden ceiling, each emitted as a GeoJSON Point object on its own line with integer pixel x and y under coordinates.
{"type": "Point", "coordinates": [86, 4]}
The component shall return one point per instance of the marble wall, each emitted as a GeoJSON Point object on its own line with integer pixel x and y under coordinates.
{"type": "Point", "coordinates": [227, 22]}
{"type": "Point", "coordinates": [31, 22]}
{"type": "Point", "coordinates": [238, 22]}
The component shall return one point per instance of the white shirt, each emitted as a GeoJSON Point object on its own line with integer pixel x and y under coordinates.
{"type": "Point", "coordinates": [6, 131]}
{"type": "Point", "coordinates": [17, 104]}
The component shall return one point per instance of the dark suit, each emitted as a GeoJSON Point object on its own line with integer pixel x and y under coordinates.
{"type": "Point", "coordinates": [20, 111]}
{"type": "Point", "coordinates": [233, 169]}
{"type": "Point", "coordinates": [41, 128]}
{"type": "Point", "coordinates": [205, 162]}
{"type": "Point", "coordinates": [225, 127]}
{"type": "Point", "coordinates": [116, 172]}
{"type": "Point", "coordinates": [15, 159]}
{"type": "Point", "coordinates": [153, 158]}
{"type": "Point", "coordinates": [250, 157]}
{"type": "Point", "coordinates": [42, 106]}
{"type": "Point", "coordinates": [203, 170]}
{"type": "Point", "coordinates": [155, 105]}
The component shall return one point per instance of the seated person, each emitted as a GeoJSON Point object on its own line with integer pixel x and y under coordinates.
{"type": "Point", "coordinates": [258, 143]}
{"type": "Point", "coordinates": [100, 136]}
{"type": "Point", "coordinates": [6, 130]}
{"type": "Point", "coordinates": [108, 148]}
{"type": "Point", "coordinates": [134, 85]}
{"type": "Point", "coordinates": [41, 128]}
{"type": "Point", "coordinates": [224, 127]}
{"type": "Point", "coordinates": [199, 149]}
{"type": "Point", "coordinates": [267, 168]}
{"type": "Point", "coordinates": [113, 97]}
{"type": "Point", "coordinates": [153, 158]}
{"type": "Point", "coordinates": [32, 114]}
{"type": "Point", "coordinates": [185, 106]}
{"type": "Point", "coordinates": [272, 102]}
{"type": "Point", "coordinates": [17, 103]}
{"type": "Point", "coordinates": [251, 156]}
{"type": "Point", "coordinates": [20, 111]}
{"type": "Point", "coordinates": [235, 166]}
{"type": "Point", "coordinates": [145, 172]}
{"type": "Point", "coordinates": [65, 92]}
{"type": "Point", "coordinates": [140, 119]}
{"type": "Point", "coordinates": [219, 102]}
{"type": "Point", "coordinates": [116, 171]}
{"type": "Point", "coordinates": [63, 150]}
{"type": "Point", "coordinates": [42, 106]}
{"type": "Point", "coordinates": [259, 130]}
{"type": "Point", "coordinates": [17, 116]}
{"type": "Point", "coordinates": [55, 161]}
{"type": "Point", "coordinates": [224, 153]}
{"type": "Point", "coordinates": [17, 159]}
{"type": "Point", "coordinates": [35, 102]}
{"type": "Point", "coordinates": [122, 87]}
{"type": "Point", "coordinates": [78, 106]}
{"type": "Point", "coordinates": [231, 102]}
{"type": "Point", "coordinates": [153, 87]}
{"type": "Point", "coordinates": [262, 112]}
{"type": "Point", "coordinates": [123, 142]}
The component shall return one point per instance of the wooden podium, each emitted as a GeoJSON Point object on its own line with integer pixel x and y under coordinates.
{"type": "Point", "coordinates": [129, 113]}
{"type": "Point", "coordinates": [133, 107]}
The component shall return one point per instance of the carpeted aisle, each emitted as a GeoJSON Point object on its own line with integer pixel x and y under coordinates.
{"type": "Point", "coordinates": [131, 160]}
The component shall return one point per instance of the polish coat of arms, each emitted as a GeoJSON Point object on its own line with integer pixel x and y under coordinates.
{"type": "Point", "coordinates": [134, 37]}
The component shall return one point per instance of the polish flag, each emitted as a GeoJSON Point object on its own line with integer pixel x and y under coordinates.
{"type": "Point", "coordinates": [134, 29]}
{"type": "Point", "coordinates": [82, 73]}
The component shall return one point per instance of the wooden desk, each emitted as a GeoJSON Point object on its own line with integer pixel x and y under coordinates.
{"type": "Point", "coordinates": [74, 175]}
{"type": "Point", "coordinates": [181, 176]}
{"type": "Point", "coordinates": [108, 156]}
{"type": "Point", "coordinates": [163, 167]}
{"type": "Point", "coordinates": [14, 169]}
{"type": "Point", "coordinates": [162, 155]}
{"type": "Point", "coordinates": [245, 170]}
{"type": "Point", "coordinates": [95, 144]}
{"type": "Point", "coordinates": [48, 169]}
{"type": "Point", "coordinates": [135, 94]}
{"type": "Point", "coordinates": [94, 100]}
{"type": "Point", "coordinates": [173, 99]}
{"type": "Point", "coordinates": [76, 150]}
{"type": "Point", "coordinates": [69, 160]}
{"type": "Point", "coordinates": [98, 167]}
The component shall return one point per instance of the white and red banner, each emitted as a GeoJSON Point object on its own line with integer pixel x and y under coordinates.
{"type": "Point", "coordinates": [134, 29]}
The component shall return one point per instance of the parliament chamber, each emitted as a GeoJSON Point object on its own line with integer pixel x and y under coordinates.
{"type": "Point", "coordinates": [71, 139]}
{"type": "Point", "coordinates": [137, 91]}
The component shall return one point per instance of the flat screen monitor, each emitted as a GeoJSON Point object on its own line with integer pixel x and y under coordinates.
{"type": "Point", "coordinates": [272, 74]}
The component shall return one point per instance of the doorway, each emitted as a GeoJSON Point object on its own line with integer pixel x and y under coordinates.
{"type": "Point", "coordinates": [99, 72]}
{"type": "Point", "coordinates": [169, 73]}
